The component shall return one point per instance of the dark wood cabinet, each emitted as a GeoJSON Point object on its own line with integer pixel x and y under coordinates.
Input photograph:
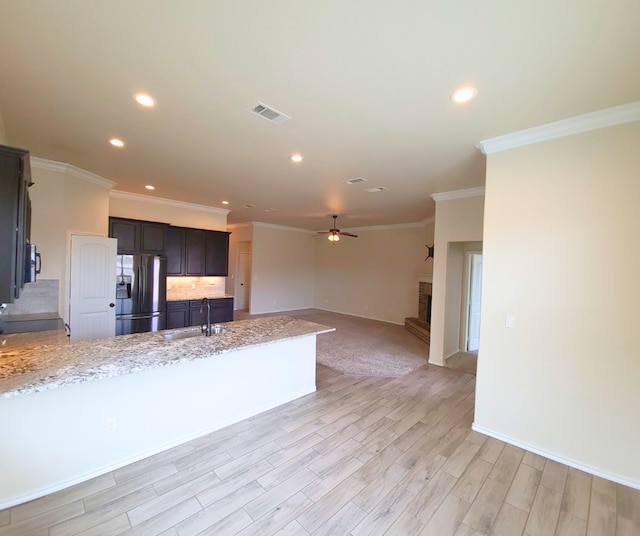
{"type": "Point", "coordinates": [197, 318]}
{"type": "Point", "coordinates": [217, 253]}
{"type": "Point", "coordinates": [174, 250]}
{"type": "Point", "coordinates": [177, 314]}
{"type": "Point", "coordinates": [194, 251]}
{"type": "Point", "coordinates": [184, 313]}
{"type": "Point", "coordinates": [190, 252]}
{"type": "Point", "coordinates": [135, 236]}
{"type": "Point", "coordinates": [15, 220]}
{"type": "Point", "coordinates": [197, 252]}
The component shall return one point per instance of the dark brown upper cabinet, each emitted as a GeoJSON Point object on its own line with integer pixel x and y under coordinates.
{"type": "Point", "coordinates": [197, 252]}
{"type": "Point", "coordinates": [135, 236]}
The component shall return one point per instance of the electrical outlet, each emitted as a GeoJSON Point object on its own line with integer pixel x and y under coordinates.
{"type": "Point", "coordinates": [112, 425]}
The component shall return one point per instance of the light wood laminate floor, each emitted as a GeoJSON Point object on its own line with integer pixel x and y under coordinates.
{"type": "Point", "coordinates": [361, 456]}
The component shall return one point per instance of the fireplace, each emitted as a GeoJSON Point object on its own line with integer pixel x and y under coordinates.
{"type": "Point", "coordinates": [424, 301]}
{"type": "Point", "coordinates": [421, 326]}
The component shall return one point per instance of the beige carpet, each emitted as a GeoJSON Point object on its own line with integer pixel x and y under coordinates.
{"type": "Point", "coordinates": [363, 347]}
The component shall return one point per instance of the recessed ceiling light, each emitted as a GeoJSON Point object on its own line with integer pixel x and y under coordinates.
{"type": "Point", "coordinates": [150, 187]}
{"type": "Point", "coordinates": [144, 100]}
{"type": "Point", "coordinates": [225, 202]}
{"type": "Point", "coordinates": [464, 94]}
{"type": "Point", "coordinates": [296, 158]}
{"type": "Point", "coordinates": [376, 189]}
{"type": "Point", "coordinates": [116, 142]}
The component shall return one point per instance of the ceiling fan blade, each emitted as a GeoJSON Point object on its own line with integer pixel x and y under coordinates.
{"type": "Point", "coordinates": [322, 232]}
{"type": "Point", "coordinates": [349, 234]}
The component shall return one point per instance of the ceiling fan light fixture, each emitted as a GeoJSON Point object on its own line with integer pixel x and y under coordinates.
{"type": "Point", "coordinates": [333, 236]}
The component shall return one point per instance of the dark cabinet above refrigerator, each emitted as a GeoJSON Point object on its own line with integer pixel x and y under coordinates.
{"type": "Point", "coordinates": [136, 236]}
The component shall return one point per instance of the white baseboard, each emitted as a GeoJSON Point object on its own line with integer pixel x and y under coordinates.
{"type": "Point", "coordinates": [360, 316]}
{"type": "Point", "coordinates": [566, 461]}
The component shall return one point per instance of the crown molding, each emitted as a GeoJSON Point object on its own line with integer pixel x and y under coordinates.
{"type": "Point", "coordinates": [61, 167]}
{"type": "Point", "coordinates": [608, 117]}
{"type": "Point", "coordinates": [166, 202]}
{"type": "Point", "coordinates": [458, 194]}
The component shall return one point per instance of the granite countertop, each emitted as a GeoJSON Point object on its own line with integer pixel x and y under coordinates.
{"type": "Point", "coordinates": [190, 295]}
{"type": "Point", "coordinates": [33, 362]}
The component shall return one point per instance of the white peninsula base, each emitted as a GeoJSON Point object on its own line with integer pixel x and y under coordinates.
{"type": "Point", "coordinates": [59, 437]}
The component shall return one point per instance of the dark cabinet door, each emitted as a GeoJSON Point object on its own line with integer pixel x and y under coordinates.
{"type": "Point", "coordinates": [174, 250]}
{"type": "Point", "coordinates": [221, 310]}
{"type": "Point", "coordinates": [195, 243]}
{"type": "Point", "coordinates": [177, 314]}
{"type": "Point", "coordinates": [152, 238]}
{"type": "Point", "coordinates": [136, 236]}
{"type": "Point", "coordinates": [217, 253]}
{"type": "Point", "coordinates": [197, 318]}
{"type": "Point", "coordinates": [178, 318]}
{"type": "Point", "coordinates": [10, 218]}
{"type": "Point", "coordinates": [128, 234]}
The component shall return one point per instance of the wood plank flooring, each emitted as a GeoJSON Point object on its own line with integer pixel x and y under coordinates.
{"type": "Point", "coordinates": [361, 456]}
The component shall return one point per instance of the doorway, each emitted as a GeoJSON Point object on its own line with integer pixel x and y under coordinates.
{"type": "Point", "coordinates": [243, 280]}
{"type": "Point", "coordinates": [474, 300]}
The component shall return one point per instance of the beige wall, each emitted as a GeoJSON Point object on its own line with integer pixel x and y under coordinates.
{"type": "Point", "coordinates": [561, 255]}
{"type": "Point", "coordinates": [145, 207]}
{"type": "Point", "coordinates": [457, 221]}
{"type": "Point", "coordinates": [242, 233]}
{"type": "Point", "coordinates": [63, 203]}
{"type": "Point", "coordinates": [374, 275]}
{"type": "Point", "coordinates": [282, 268]}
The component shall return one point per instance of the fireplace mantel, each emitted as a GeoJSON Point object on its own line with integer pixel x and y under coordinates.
{"type": "Point", "coordinates": [424, 278]}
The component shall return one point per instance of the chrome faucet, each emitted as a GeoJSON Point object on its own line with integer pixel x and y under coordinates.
{"type": "Point", "coordinates": [206, 328]}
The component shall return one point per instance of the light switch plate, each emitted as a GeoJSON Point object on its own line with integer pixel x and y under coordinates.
{"type": "Point", "coordinates": [510, 321]}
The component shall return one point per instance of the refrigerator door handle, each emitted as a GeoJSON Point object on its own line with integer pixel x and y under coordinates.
{"type": "Point", "coordinates": [138, 316]}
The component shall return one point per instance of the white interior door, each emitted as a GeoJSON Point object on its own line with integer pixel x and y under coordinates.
{"type": "Point", "coordinates": [475, 302]}
{"type": "Point", "coordinates": [244, 279]}
{"type": "Point", "coordinates": [92, 295]}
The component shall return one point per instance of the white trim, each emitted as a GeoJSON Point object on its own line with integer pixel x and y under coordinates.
{"type": "Point", "coordinates": [61, 167]}
{"type": "Point", "coordinates": [166, 202]}
{"type": "Point", "coordinates": [424, 278]}
{"type": "Point", "coordinates": [560, 459]}
{"type": "Point", "coordinates": [360, 316]}
{"type": "Point", "coordinates": [458, 194]}
{"type": "Point", "coordinates": [608, 117]}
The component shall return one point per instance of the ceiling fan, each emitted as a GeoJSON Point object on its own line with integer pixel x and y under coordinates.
{"type": "Point", "coordinates": [334, 233]}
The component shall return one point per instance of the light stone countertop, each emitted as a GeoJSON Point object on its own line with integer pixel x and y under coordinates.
{"type": "Point", "coordinates": [33, 362]}
{"type": "Point", "coordinates": [182, 295]}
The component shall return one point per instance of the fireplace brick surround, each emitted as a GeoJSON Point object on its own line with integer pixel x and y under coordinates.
{"type": "Point", "coordinates": [421, 326]}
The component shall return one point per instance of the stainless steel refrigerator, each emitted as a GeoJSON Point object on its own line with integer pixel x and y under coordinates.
{"type": "Point", "coordinates": [141, 293]}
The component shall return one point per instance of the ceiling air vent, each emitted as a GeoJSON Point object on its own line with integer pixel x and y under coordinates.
{"type": "Point", "coordinates": [356, 180]}
{"type": "Point", "coordinates": [376, 189]}
{"type": "Point", "coordinates": [268, 113]}
{"type": "Point", "coordinates": [249, 205]}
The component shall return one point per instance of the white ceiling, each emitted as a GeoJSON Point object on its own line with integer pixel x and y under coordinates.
{"type": "Point", "coordinates": [367, 84]}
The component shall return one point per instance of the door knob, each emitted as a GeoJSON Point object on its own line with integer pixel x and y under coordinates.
{"type": "Point", "coordinates": [112, 305]}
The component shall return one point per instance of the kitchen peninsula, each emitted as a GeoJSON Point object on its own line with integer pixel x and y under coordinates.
{"type": "Point", "coordinates": [72, 411]}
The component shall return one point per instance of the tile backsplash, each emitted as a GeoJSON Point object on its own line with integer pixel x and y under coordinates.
{"type": "Point", "coordinates": [185, 288]}
{"type": "Point", "coordinates": [40, 296]}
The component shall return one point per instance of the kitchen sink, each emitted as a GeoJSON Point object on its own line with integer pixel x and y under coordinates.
{"type": "Point", "coordinates": [175, 335]}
